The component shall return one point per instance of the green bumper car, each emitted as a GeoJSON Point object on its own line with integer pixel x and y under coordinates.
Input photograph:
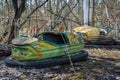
{"type": "Point", "coordinates": [49, 49]}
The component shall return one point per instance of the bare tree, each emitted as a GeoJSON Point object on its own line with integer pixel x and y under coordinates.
{"type": "Point", "coordinates": [18, 10]}
{"type": "Point", "coordinates": [19, 7]}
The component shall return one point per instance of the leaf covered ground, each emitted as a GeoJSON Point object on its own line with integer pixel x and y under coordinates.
{"type": "Point", "coordinates": [101, 64]}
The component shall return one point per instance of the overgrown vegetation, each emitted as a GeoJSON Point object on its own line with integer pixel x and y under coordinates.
{"type": "Point", "coordinates": [25, 15]}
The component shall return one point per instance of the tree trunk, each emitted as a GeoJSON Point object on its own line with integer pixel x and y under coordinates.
{"type": "Point", "coordinates": [18, 10]}
{"type": "Point", "coordinates": [91, 11]}
{"type": "Point", "coordinates": [85, 10]}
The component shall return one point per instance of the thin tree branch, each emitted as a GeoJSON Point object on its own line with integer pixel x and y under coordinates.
{"type": "Point", "coordinates": [32, 13]}
{"type": "Point", "coordinates": [72, 12]}
{"type": "Point", "coordinates": [64, 18]}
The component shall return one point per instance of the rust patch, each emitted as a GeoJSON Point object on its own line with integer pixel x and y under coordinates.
{"type": "Point", "coordinates": [39, 55]}
{"type": "Point", "coordinates": [32, 51]}
{"type": "Point", "coordinates": [72, 39]}
{"type": "Point", "coordinates": [42, 44]}
{"type": "Point", "coordinates": [18, 57]}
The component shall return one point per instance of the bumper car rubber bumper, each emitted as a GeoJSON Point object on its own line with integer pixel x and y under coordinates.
{"type": "Point", "coordinates": [45, 63]}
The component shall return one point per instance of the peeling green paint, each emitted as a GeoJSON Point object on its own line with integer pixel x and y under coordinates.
{"type": "Point", "coordinates": [43, 49]}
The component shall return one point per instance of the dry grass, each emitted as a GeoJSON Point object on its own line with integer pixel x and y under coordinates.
{"type": "Point", "coordinates": [104, 53]}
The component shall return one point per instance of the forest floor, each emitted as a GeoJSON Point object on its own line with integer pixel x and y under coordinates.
{"type": "Point", "coordinates": [102, 64]}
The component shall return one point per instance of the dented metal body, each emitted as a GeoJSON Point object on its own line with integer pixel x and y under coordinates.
{"type": "Point", "coordinates": [48, 45]}
{"type": "Point", "coordinates": [98, 33]}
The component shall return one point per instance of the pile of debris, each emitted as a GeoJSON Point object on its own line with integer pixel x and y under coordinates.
{"type": "Point", "coordinates": [5, 50]}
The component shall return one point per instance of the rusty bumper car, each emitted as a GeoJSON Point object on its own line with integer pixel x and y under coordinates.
{"type": "Point", "coordinates": [95, 35]}
{"type": "Point", "coordinates": [49, 49]}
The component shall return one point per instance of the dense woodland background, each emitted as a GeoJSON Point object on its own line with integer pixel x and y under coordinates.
{"type": "Point", "coordinates": [21, 17]}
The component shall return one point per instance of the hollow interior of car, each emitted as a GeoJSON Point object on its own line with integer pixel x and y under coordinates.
{"type": "Point", "coordinates": [58, 38]}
